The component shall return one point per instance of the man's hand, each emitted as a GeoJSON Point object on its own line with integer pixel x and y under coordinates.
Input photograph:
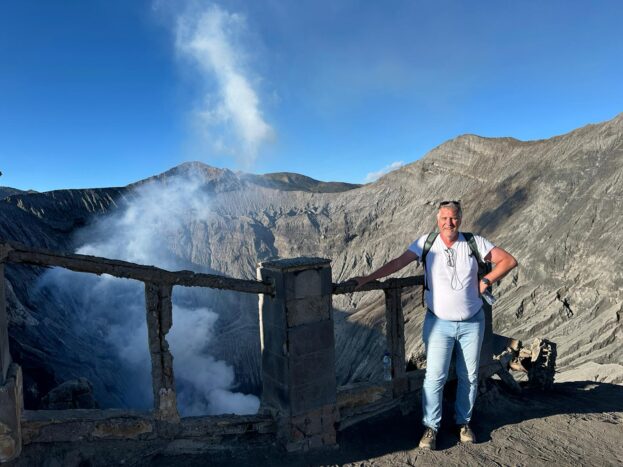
{"type": "Point", "coordinates": [504, 263]}
{"type": "Point", "coordinates": [482, 287]}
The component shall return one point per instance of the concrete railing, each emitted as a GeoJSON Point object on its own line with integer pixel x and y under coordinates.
{"type": "Point", "coordinates": [68, 424]}
{"type": "Point", "coordinates": [301, 404]}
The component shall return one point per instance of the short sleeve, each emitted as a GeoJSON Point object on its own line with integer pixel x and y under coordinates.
{"type": "Point", "coordinates": [418, 246]}
{"type": "Point", "coordinates": [484, 246]}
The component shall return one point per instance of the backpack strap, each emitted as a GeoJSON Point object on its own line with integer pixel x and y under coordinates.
{"type": "Point", "coordinates": [471, 241]}
{"type": "Point", "coordinates": [483, 267]}
{"type": "Point", "coordinates": [427, 246]}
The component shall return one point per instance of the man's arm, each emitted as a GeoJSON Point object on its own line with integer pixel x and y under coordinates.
{"type": "Point", "coordinates": [504, 263]}
{"type": "Point", "coordinates": [391, 267]}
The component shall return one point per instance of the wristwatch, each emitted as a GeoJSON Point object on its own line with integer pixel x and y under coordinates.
{"type": "Point", "coordinates": [486, 281]}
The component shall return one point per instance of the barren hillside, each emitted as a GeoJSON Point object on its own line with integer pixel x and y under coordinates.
{"type": "Point", "coordinates": [552, 203]}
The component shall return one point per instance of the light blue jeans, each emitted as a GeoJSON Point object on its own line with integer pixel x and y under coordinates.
{"type": "Point", "coordinates": [441, 338]}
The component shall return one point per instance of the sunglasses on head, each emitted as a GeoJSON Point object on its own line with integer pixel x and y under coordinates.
{"type": "Point", "coordinates": [447, 203]}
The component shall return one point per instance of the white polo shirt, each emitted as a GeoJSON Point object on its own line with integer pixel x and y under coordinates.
{"type": "Point", "coordinates": [452, 275]}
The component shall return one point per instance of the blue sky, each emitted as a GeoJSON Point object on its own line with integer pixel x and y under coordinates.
{"type": "Point", "coordinates": [97, 93]}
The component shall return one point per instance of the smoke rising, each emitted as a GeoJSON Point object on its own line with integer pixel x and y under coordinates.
{"type": "Point", "coordinates": [374, 176]}
{"type": "Point", "coordinates": [154, 228]}
{"type": "Point", "coordinates": [209, 36]}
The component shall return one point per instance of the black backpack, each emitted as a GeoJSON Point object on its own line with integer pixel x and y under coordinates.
{"type": "Point", "coordinates": [483, 267]}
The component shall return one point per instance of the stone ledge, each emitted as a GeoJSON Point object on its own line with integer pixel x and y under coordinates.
{"type": "Point", "coordinates": [361, 394]}
{"type": "Point", "coordinates": [53, 426]}
{"type": "Point", "coordinates": [56, 416]}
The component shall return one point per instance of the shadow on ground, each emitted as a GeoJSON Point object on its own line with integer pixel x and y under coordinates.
{"type": "Point", "coordinates": [395, 433]}
{"type": "Point", "coordinates": [574, 397]}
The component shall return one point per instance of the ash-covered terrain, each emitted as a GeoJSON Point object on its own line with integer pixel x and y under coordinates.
{"type": "Point", "coordinates": [552, 203]}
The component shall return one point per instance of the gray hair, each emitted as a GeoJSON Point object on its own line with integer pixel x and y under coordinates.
{"type": "Point", "coordinates": [454, 205]}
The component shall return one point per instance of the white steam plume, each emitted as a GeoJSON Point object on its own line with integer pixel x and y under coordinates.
{"type": "Point", "coordinates": [159, 219]}
{"type": "Point", "coordinates": [207, 37]}
{"type": "Point", "coordinates": [373, 176]}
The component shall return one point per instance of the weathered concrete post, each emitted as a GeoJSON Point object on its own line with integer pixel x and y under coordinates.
{"type": "Point", "coordinates": [395, 335]}
{"type": "Point", "coordinates": [298, 351]}
{"type": "Point", "coordinates": [11, 396]}
{"type": "Point", "coordinates": [159, 320]}
{"type": "Point", "coordinates": [5, 355]}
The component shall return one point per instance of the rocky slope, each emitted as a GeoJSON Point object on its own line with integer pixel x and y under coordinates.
{"type": "Point", "coordinates": [552, 203]}
{"type": "Point", "coordinates": [8, 191]}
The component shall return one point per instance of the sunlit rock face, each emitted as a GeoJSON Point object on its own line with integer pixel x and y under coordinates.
{"type": "Point", "coordinates": [552, 203]}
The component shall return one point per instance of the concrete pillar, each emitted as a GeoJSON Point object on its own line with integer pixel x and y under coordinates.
{"type": "Point", "coordinates": [5, 356]}
{"type": "Point", "coordinates": [395, 334]}
{"type": "Point", "coordinates": [159, 310]}
{"type": "Point", "coordinates": [298, 351]}
{"type": "Point", "coordinates": [11, 396]}
{"type": "Point", "coordinates": [11, 405]}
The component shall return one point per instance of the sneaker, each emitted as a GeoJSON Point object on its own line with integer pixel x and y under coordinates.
{"type": "Point", "coordinates": [428, 439]}
{"type": "Point", "coordinates": [466, 435]}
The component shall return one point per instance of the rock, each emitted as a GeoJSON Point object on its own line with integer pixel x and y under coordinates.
{"type": "Point", "coordinates": [73, 394]}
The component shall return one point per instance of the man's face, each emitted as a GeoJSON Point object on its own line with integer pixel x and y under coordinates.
{"type": "Point", "coordinates": [448, 222]}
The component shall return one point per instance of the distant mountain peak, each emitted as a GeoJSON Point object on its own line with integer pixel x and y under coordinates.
{"type": "Point", "coordinates": [221, 180]}
{"type": "Point", "coordinates": [289, 181]}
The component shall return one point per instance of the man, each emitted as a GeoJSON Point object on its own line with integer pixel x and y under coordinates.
{"type": "Point", "coordinates": [455, 319]}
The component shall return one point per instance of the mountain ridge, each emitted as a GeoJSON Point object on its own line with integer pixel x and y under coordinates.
{"type": "Point", "coordinates": [552, 203]}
